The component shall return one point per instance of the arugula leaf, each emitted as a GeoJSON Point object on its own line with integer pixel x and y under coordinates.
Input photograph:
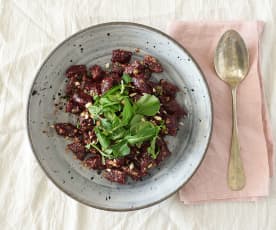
{"type": "Point", "coordinates": [78, 124]}
{"type": "Point", "coordinates": [96, 97]}
{"type": "Point", "coordinates": [116, 121]}
{"type": "Point", "coordinates": [104, 141]}
{"type": "Point", "coordinates": [112, 90]}
{"type": "Point", "coordinates": [127, 79]}
{"type": "Point", "coordinates": [104, 101]}
{"type": "Point", "coordinates": [120, 149]}
{"type": "Point", "coordinates": [108, 105]}
{"type": "Point", "coordinates": [151, 148]}
{"type": "Point", "coordinates": [144, 131]}
{"type": "Point", "coordinates": [109, 115]}
{"type": "Point", "coordinates": [117, 133]}
{"type": "Point", "coordinates": [112, 108]}
{"type": "Point", "coordinates": [106, 153]}
{"type": "Point", "coordinates": [127, 111]}
{"type": "Point", "coordinates": [95, 111]}
{"type": "Point", "coordinates": [138, 138]}
{"type": "Point", "coordinates": [88, 146]}
{"type": "Point", "coordinates": [147, 105]}
{"type": "Point", "coordinates": [140, 126]}
{"type": "Point", "coordinates": [116, 97]}
{"type": "Point", "coordinates": [137, 118]}
{"type": "Point", "coordinates": [106, 124]}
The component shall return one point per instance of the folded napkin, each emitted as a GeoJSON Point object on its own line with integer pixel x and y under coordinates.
{"type": "Point", "coordinates": [210, 180]}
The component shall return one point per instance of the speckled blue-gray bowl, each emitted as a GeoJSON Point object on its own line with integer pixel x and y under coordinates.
{"type": "Point", "coordinates": [93, 46]}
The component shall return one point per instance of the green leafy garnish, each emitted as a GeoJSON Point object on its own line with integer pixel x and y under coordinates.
{"type": "Point", "coordinates": [106, 124]}
{"type": "Point", "coordinates": [112, 90]}
{"type": "Point", "coordinates": [127, 79]}
{"type": "Point", "coordinates": [137, 118]}
{"type": "Point", "coordinates": [121, 123]}
{"type": "Point", "coordinates": [105, 153]}
{"type": "Point", "coordinates": [147, 105]}
{"type": "Point", "coordinates": [103, 140]}
{"type": "Point", "coordinates": [151, 149]}
{"type": "Point", "coordinates": [121, 149]}
{"type": "Point", "coordinates": [117, 133]}
{"type": "Point", "coordinates": [127, 111]}
{"type": "Point", "coordinates": [140, 132]}
{"type": "Point", "coordinates": [95, 111]}
{"type": "Point", "coordinates": [88, 146]}
{"type": "Point", "coordinates": [78, 124]}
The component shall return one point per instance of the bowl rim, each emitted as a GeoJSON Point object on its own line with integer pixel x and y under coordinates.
{"type": "Point", "coordinates": [122, 23]}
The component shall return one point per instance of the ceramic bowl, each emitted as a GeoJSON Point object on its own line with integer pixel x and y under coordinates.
{"type": "Point", "coordinates": [94, 46]}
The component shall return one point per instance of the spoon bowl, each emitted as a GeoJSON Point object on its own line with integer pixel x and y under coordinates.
{"type": "Point", "coordinates": [231, 58]}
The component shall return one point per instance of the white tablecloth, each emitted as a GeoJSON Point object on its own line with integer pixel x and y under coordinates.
{"type": "Point", "coordinates": [29, 30]}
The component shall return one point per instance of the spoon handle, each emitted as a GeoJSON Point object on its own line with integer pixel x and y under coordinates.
{"type": "Point", "coordinates": [236, 175]}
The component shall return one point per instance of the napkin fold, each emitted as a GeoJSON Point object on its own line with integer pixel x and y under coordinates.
{"type": "Point", "coordinates": [255, 136]}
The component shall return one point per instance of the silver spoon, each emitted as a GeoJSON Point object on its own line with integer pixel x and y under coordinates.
{"type": "Point", "coordinates": [232, 64]}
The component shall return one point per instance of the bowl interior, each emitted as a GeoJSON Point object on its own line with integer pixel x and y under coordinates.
{"type": "Point", "coordinates": [94, 46]}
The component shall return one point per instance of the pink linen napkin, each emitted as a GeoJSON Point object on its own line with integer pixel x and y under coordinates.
{"type": "Point", "coordinates": [210, 180]}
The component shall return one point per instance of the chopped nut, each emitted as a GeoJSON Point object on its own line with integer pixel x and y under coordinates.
{"type": "Point", "coordinates": [77, 83]}
{"type": "Point", "coordinates": [153, 122]}
{"type": "Point", "coordinates": [137, 50]}
{"type": "Point", "coordinates": [113, 163]}
{"type": "Point", "coordinates": [107, 65]}
{"type": "Point", "coordinates": [98, 123]}
{"type": "Point", "coordinates": [135, 71]}
{"type": "Point", "coordinates": [158, 118]}
{"type": "Point", "coordinates": [153, 90]}
{"type": "Point", "coordinates": [181, 123]}
{"type": "Point", "coordinates": [88, 104]}
{"type": "Point", "coordinates": [108, 170]}
{"type": "Point", "coordinates": [150, 165]}
{"type": "Point", "coordinates": [84, 114]}
{"type": "Point", "coordinates": [132, 94]}
{"type": "Point", "coordinates": [131, 166]}
{"type": "Point", "coordinates": [92, 93]}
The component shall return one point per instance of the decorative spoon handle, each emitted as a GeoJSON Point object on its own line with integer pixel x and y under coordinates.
{"type": "Point", "coordinates": [236, 176]}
